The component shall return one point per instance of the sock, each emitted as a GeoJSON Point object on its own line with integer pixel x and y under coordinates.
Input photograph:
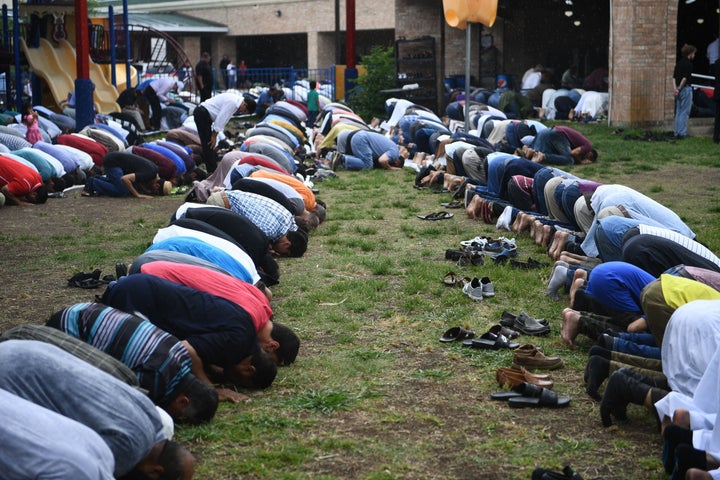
{"type": "Point", "coordinates": [557, 280]}
{"type": "Point", "coordinates": [505, 219]}
{"type": "Point", "coordinates": [673, 436]}
{"type": "Point", "coordinates": [596, 371]}
{"type": "Point", "coordinates": [687, 457]}
{"type": "Point", "coordinates": [597, 350]}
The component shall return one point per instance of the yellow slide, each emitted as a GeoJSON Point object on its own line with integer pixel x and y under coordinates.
{"type": "Point", "coordinates": [120, 75]}
{"type": "Point", "coordinates": [105, 92]}
{"type": "Point", "coordinates": [45, 65]}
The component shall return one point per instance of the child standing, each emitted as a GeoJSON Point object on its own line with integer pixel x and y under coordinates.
{"type": "Point", "coordinates": [313, 103]}
{"type": "Point", "coordinates": [30, 119]}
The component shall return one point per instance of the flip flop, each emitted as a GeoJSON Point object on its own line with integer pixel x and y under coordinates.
{"type": "Point", "coordinates": [535, 396]}
{"type": "Point", "coordinates": [548, 398]}
{"type": "Point", "coordinates": [498, 340]}
{"type": "Point", "coordinates": [456, 334]}
{"type": "Point", "coordinates": [452, 204]}
{"type": "Point", "coordinates": [436, 216]}
{"type": "Point", "coordinates": [504, 395]}
{"type": "Point", "coordinates": [481, 344]}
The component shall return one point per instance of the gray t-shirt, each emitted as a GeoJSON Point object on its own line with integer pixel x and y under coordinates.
{"type": "Point", "coordinates": [41, 444]}
{"type": "Point", "coordinates": [52, 378]}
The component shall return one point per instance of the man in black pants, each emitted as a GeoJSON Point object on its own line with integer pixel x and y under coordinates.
{"type": "Point", "coordinates": [212, 115]}
{"type": "Point", "coordinates": [204, 77]}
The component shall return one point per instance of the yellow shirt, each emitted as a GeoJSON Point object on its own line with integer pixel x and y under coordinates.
{"type": "Point", "coordinates": [680, 290]}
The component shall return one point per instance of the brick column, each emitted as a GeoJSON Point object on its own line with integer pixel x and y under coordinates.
{"type": "Point", "coordinates": [642, 58]}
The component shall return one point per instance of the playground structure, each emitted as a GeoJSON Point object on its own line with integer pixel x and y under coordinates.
{"type": "Point", "coordinates": [51, 59]}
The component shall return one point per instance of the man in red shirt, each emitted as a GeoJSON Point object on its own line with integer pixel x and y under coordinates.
{"type": "Point", "coordinates": [20, 183]}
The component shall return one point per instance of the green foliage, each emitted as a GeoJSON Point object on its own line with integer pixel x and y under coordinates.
{"type": "Point", "coordinates": [365, 97]}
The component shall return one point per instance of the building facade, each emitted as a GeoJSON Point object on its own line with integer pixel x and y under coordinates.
{"type": "Point", "coordinates": [636, 40]}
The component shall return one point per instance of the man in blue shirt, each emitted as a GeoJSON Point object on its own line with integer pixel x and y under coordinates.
{"type": "Point", "coordinates": [360, 149]}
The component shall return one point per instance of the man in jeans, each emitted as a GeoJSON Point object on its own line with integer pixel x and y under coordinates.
{"type": "Point", "coordinates": [682, 89]}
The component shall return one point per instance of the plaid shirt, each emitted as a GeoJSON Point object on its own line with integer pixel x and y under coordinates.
{"type": "Point", "coordinates": [267, 214]}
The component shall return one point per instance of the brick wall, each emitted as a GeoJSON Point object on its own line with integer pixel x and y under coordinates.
{"type": "Point", "coordinates": [643, 36]}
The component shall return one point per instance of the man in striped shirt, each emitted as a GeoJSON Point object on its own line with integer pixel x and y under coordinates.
{"type": "Point", "coordinates": [160, 361]}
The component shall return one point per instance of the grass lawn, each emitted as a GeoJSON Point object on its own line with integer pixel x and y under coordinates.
{"type": "Point", "coordinates": [374, 394]}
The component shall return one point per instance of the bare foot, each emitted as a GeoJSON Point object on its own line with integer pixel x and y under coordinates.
{"type": "Point", "coordinates": [431, 178]}
{"type": "Point", "coordinates": [473, 208]}
{"type": "Point", "coordinates": [569, 328]}
{"type": "Point", "coordinates": [522, 222]}
{"type": "Point", "coordinates": [546, 233]}
{"type": "Point", "coordinates": [452, 182]}
{"type": "Point", "coordinates": [570, 258]}
{"type": "Point", "coordinates": [535, 227]}
{"type": "Point", "coordinates": [558, 243]}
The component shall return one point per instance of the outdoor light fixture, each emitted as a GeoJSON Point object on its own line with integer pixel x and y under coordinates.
{"type": "Point", "coordinates": [568, 13]}
{"type": "Point", "coordinates": [688, 2]}
{"type": "Point", "coordinates": [701, 21]}
{"type": "Point", "coordinates": [278, 13]}
{"type": "Point", "coordinates": [577, 23]}
{"type": "Point", "coordinates": [568, 2]}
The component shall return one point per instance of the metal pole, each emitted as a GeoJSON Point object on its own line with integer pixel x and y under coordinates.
{"type": "Point", "coordinates": [126, 22]}
{"type": "Point", "coordinates": [113, 59]}
{"type": "Point", "coordinates": [16, 52]}
{"type": "Point", "coordinates": [84, 114]}
{"type": "Point", "coordinates": [467, 77]}
{"type": "Point", "coordinates": [337, 33]}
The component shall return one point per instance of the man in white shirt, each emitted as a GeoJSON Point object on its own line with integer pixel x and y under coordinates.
{"type": "Point", "coordinates": [212, 115]}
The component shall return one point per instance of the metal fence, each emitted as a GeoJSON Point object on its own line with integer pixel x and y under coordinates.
{"type": "Point", "coordinates": [294, 79]}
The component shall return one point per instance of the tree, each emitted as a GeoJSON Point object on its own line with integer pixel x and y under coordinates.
{"type": "Point", "coordinates": [366, 97]}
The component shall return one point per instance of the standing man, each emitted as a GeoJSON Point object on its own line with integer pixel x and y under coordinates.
{"type": "Point", "coordinates": [682, 90]}
{"type": "Point", "coordinates": [242, 74]}
{"type": "Point", "coordinates": [231, 72]}
{"type": "Point", "coordinates": [156, 93]}
{"type": "Point", "coordinates": [223, 70]}
{"type": "Point", "coordinates": [204, 77]}
{"type": "Point", "coordinates": [212, 115]}
{"type": "Point", "coordinates": [313, 103]}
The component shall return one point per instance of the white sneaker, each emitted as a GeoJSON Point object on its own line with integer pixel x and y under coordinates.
{"type": "Point", "coordinates": [487, 288]}
{"type": "Point", "coordinates": [477, 243]}
{"type": "Point", "coordinates": [474, 289]}
{"type": "Point", "coordinates": [508, 242]}
{"type": "Point", "coordinates": [503, 221]}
